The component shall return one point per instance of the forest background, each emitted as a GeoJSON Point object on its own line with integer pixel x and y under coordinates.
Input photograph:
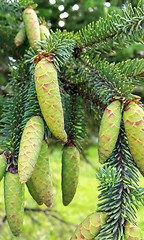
{"type": "Point", "coordinates": [59, 222]}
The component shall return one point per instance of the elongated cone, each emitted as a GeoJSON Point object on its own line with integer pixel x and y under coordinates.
{"type": "Point", "coordinates": [14, 202]}
{"type": "Point", "coordinates": [90, 227]}
{"type": "Point", "coordinates": [49, 98]}
{"type": "Point", "coordinates": [20, 37]}
{"type": "Point", "coordinates": [33, 192]}
{"type": "Point", "coordinates": [41, 177]}
{"type": "Point", "coordinates": [109, 130]}
{"type": "Point", "coordinates": [3, 164]}
{"type": "Point", "coordinates": [30, 146]}
{"type": "Point", "coordinates": [132, 232]}
{"type": "Point", "coordinates": [44, 32]}
{"type": "Point", "coordinates": [31, 26]}
{"type": "Point", "coordinates": [70, 173]}
{"type": "Point", "coordinates": [134, 126]}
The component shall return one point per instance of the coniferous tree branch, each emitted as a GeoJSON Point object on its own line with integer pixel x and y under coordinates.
{"type": "Point", "coordinates": [13, 113]}
{"type": "Point", "coordinates": [113, 32]}
{"type": "Point", "coordinates": [118, 190]}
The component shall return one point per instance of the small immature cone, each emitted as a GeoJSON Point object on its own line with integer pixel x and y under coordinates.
{"type": "Point", "coordinates": [20, 37]}
{"type": "Point", "coordinates": [44, 32]}
{"type": "Point", "coordinates": [3, 165]}
{"type": "Point", "coordinates": [90, 227]}
{"type": "Point", "coordinates": [41, 177]}
{"type": "Point", "coordinates": [70, 173]}
{"type": "Point", "coordinates": [14, 202]}
{"type": "Point", "coordinates": [49, 98]}
{"type": "Point", "coordinates": [109, 130]}
{"type": "Point", "coordinates": [33, 192]}
{"type": "Point", "coordinates": [134, 126]}
{"type": "Point", "coordinates": [132, 232]}
{"type": "Point", "coordinates": [30, 146]}
{"type": "Point", "coordinates": [31, 26]}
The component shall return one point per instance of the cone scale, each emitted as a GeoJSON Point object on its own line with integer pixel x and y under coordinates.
{"type": "Point", "coordinates": [30, 146]}
{"type": "Point", "coordinates": [90, 227]}
{"type": "Point", "coordinates": [134, 126]}
{"type": "Point", "coordinates": [41, 177]}
{"type": "Point", "coordinates": [109, 130]}
{"type": "Point", "coordinates": [70, 173]}
{"type": "Point", "coordinates": [49, 98]}
{"type": "Point", "coordinates": [14, 202]}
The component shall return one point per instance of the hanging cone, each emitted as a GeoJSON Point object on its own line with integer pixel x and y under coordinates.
{"type": "Point", "coordinates": [44, 32]}
{"type": "Point", "coordinates": [41, 177]}
{"type": "Point", "coordinates": [90, 227]}
{"type": "Point", "coordinates": [134, 126]}
{"type": "Point", "coordinates": [49, 98]}
{"type": "Point", "coordinates": [33, 192]}
{"type": "Point", "coordinates": [132, 232]}
{"type": "Point", "coordinates": [14, 202]}
{"type": "Point", "coordinates": [3, 165]}
{"type": "Point", "coordinates": [31, 26]}
{"type": "Point", "coordinates": [20, 37]}
{"type": "Point", "coordinates": [109, 130]}
{"type": "Point", "coordinates": [30, 146]}
{"type": "Point", "coordinates": [70, 173]}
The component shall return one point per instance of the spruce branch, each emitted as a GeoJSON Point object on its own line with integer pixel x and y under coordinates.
{"type": "Point", "coordinates": [13, 112]}
{"type": "Point", "coordinates": [105, 80]}
{"type": "Point", "coordinates": [113, 32]}
{"type": "Point", "coordinates": [119, 190]}
{"type": "Point", "coordinates": [132, 69]}
{"type": "Point", "coordinates": [75, 122]}
{"type": "Point", "coordinates": [60, 45]}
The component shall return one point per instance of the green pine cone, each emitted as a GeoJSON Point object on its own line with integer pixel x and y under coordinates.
{"type": "Point", "coordinates": [3, 165]}
{"type": "Point", "coordinates": [109, 130]}
{"type": "Point", "coordinates": [134, 126]}
{"type": "Point", "coordinates": [14, 202]}
{"type": "Point", "coordinates": [44, 32]}
{"type": "Point", "coordinates": [31, 26]}
{"type": "Point", "coordinates": [90, 227]}
{"type": "Point", "coordinates": [41, 177]}
{"type": "Point", "coordinates": [70, 173]}
{"type": "Point", "coordinates": [30, 146]}
{"type": "Point", "coordinates": [49, 98]}
{"type": "Point", "coordinates": [20, 37]}
{"type": "Point", "coordinates": [33, 192]}
{"type": "Point", "coordinates": [132, 232]}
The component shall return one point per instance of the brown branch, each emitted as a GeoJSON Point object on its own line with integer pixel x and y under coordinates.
{"type": "Point", "coordinates": [88, 162]}
{"type": "Point", "coordinates": [48, 213]}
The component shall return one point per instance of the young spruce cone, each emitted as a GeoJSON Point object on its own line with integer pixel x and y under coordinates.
{"type": "Point", "coordinates": [70, 173]}
{"type": "Point", "coordinates": [132, 232]}
{"type": "Point", "coordinates": [14, 202]}
{"type": "Point", "coordinates": [109, 130]}
{"type": "Point", "coordinates": [133, 118]}
{"type": "Point", "coordinates": [49, 98]}
{"type": "Point", "coordinates": [41, 177]}
{"type": "Point", "coordinates": [30, 146]}
{"type": "Point", "coordinates": [90, 227]}
{"type": "Point", "coordinates": [31, 26]}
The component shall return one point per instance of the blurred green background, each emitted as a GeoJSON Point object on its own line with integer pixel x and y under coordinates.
{"type": "Point", "coordinates": [59, 222]}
